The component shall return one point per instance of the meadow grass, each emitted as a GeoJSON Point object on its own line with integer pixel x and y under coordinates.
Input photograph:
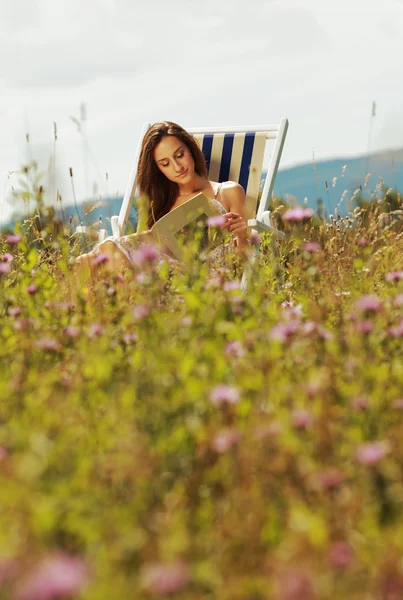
{"type": "Point", "coordinates": [163, 434]}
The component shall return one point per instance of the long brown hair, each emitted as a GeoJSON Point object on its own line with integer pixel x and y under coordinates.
{"type": "Point", "coordinates": [151, 182]}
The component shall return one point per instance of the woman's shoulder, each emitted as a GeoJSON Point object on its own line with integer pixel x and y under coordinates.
{"type": "Point", "coordinates": [231, 191]}
{"type": "Point", "coordinates": [227, 188]}
{"type": "Point", "coordinates": [231, 186]}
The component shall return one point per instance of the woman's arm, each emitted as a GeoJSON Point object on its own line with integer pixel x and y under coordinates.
{"type": "Point", "coordinates": [233, 198]}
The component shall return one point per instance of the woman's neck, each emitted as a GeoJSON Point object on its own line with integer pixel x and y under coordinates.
{"type": "Point", "coordinates": [196, 185]}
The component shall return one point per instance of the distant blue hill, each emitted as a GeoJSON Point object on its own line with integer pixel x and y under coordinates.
{"type": "Point", "coordinates": [309, 180]}
{"type": "Point", "coordinates": [102, 212]}
{"type": "Point", "coordinates": [307, 183]}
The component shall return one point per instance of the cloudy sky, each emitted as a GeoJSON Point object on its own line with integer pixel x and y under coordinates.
{"type": "Point", "coordinates": [320, 63]}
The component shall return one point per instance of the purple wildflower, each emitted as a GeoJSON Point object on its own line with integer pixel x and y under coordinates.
{"type": "Point", "coordinates": [6, 257]}
{"type": "Point", "coordinates": [187, 321]}
{"type": "Point", "coordinates": [323, 333]}
{"type": "Point", "coordinates": [360, 403]}
{"type": "Point", "coordinates": [71, 331]}
{"type": "Point", "coordinates": [301, 419]}
{"type": "Point", "coordinates": [298, 214]}
{"type": "Point", "coordinates": [224, 440]}
{"type": "Point", "coordinates": [364, 326]}
{"type": "Point", "coordinates": [95, 330]}
{"type": "Point", "coordinates": [294, 584]}
{"type": "Point", "coordinates": [370, 303]}
{"type": "Point", "coordinates": [254, 238]}
{"type": "Point", "coordinates": [371, 453]}
{"type": "Point", "coordinates": [231, 285]}
{"type": "Point", "coordinates": [32, 289]}
{"type": "Point", "coordinates": [397, 331]}
{"type": "Point", "coordinates": [282, 332]}
{"type": "Point", "coordinates": [309, 327]}
{"type": "Point", "coordinates": [311, 247]}
{"type": "Point", "coordinates": [130, 338]}
{"type": "Point", "coordinates": [398, 300]}
{"type": "Point", "coordinates": [49, 344]}
{"type": "Point", "coordinates": [67, 305]}
{"type": "Point", "coordinates": [21, 324]}
{"type": "Point", "coordinates": [330, 478]}
{"type": "Point", "coordinates": [142, 278]}
{"type": "Point", "coordinates": [291, 311]}
{"type": "Point", "coordinates": [340, 554]}
{"type": "Point", "coordinates": [140, 312]}
{"type": "Point", "coordinates": [165, 578]}
{"type": "Point", "coordinates": [395, 276]}
{"type": "Point", "coordinates": [5, 268]}
{"type": "Point", "coordinates": [312, 388]}
{"type": "Point", "coordinates": [13, 238]}
{"type": "Point", "coordinates": [67, 380]}
{"type": "Point", "coordinates": [14, 311]}
{"type": "Point", "coordinates": [234, 348]}
{"type": "Point", "coordinates": [218, 221]}
{"type": "Point", "coordinates": [57, 576]}
{"type": "Point", "coordinates": [224, 394]}
{"type": "Point", "coordinates": [363, 243]}
{"type": "Point", "coordinates": [214, 282]}
{"type": "Point", "coordinates": [100, 259]}
{"type": "Point", "coordinates": [147, 253]}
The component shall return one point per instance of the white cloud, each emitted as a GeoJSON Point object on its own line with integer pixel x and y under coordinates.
{"type": "Point", "coordinates": [113, 40]}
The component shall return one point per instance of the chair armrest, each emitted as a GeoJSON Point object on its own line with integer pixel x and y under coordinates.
{"type": "Point", "coordinates": [263, 227]}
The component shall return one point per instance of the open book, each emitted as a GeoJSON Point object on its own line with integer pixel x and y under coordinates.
{"type": "Point", "coordinates": [183, 226]}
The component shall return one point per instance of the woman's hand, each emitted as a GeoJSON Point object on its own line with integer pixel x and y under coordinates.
{"type": "Point", "coordinates": [238, 227]}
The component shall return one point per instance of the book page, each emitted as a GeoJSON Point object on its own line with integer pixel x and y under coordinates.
{"type": "Point", "coordinates": [187, 223]}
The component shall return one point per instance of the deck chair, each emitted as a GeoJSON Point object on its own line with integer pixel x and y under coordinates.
{"type": "Point", "coordinates": [232, 154]}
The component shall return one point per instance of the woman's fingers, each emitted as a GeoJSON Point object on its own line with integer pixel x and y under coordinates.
{"type": "Point", "coordinates": [236, 225]}
{"type": "Point", "coordinates": [235, 222]}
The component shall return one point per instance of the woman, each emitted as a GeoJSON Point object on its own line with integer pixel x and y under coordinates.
{"type": "Point", "coordinates": [171, 170]}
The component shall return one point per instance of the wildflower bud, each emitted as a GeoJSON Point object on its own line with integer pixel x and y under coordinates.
{"type": "Point", "coordinates": [56, 576]}
{"type": "Point", "coordinates": [13, 238]}
{"type": "Point", "coordinates": [32, 289]}
{"type": "Point", "coordinates": [5, 268]}
{"type": "Point", "coordinates": [371, 453]}
{"type": "Point", "coordinates": [224, 440]}
{"type": "Point", "coordinates": [340, 554]}
{"type": "Point", "coordinates": [224, 394]}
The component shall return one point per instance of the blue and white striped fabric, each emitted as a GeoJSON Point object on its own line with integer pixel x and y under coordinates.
{"type": "Point", "coordinates": [235, 157]}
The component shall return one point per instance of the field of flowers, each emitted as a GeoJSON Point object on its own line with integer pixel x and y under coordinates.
{"type": "Point", "coordinates": [163, 434]}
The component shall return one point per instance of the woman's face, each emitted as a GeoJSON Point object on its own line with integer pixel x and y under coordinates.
{"type": "Point", "coordinates": [174, 159]}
